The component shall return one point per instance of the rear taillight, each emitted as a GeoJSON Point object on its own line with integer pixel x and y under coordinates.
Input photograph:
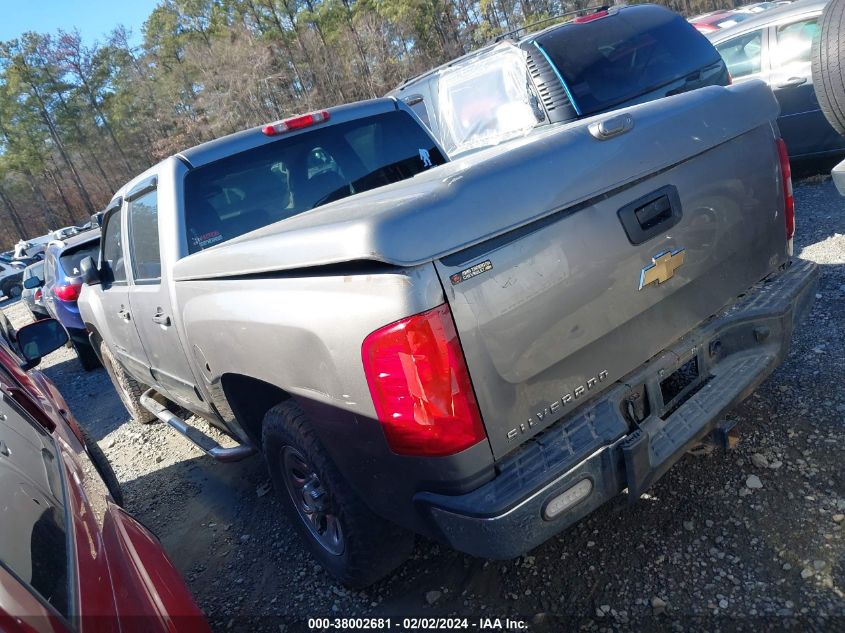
{"type": "Point", "coordinates": [788, 199]}
{"type": "Point", "coordinates": [37, 295]}
{"type": "Point", "coordinates": [69, 292]}
{"type": "Point", "coordinates": [420, 385]}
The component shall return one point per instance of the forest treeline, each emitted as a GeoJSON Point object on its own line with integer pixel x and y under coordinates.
{"type": "Point", "coordinates": [78, 119]}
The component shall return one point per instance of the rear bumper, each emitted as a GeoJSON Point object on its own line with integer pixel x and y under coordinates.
{"type": "Point", "coordinates": [603, 450]}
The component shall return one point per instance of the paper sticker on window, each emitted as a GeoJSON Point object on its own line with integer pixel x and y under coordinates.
{"type": "Point", "coordinates": [207, 239]}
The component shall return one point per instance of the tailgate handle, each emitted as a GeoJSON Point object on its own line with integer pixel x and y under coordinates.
{"type": "Point", "coordinates": [651, 215]}
{"type": "Point", "coordinates": [654, 212]}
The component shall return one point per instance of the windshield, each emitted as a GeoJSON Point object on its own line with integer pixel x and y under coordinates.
{"type": "Point", "coordinates": [486, 100]}
{"type": "Point", "coordinates": [273, 182]}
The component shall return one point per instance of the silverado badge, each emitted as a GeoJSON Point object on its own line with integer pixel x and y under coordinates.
{"type": "Point", "coordinates": [662, 267]}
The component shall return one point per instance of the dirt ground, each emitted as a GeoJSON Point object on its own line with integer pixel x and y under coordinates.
{"type": "Point", "coordinates": [717, 553]}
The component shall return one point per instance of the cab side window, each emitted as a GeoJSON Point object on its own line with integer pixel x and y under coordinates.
{"type": "Point", "coordinates": [113, 247]}
{"type": "Point", "coordinates": [743, 54]}
{"type": "Point", "coordinates": [143, 236]}
{"type": "Point", "coordinates": [794, 42]}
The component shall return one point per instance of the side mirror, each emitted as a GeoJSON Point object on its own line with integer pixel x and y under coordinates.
{"type": "Point", "coordinates": [88, 271]}
{"type": "Point", "coordinates": [32, 282]}
{"type": "Point", "coordinates": [38, 339]}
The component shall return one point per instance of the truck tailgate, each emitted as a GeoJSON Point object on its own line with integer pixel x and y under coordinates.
{"type": "Point", "coordinates": [553, 312]}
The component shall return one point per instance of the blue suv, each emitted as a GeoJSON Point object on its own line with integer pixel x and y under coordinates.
{"type": "Point", "coordinates": [62, 285]}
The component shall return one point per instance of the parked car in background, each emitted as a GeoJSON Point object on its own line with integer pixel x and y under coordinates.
{"type": "Point", "coordinates": [756, 7]}
{"type": "Point", "coordinates": [10, 280]}
{"type": "Point", "coordinates": [712, 22]}
{"type": "Point", "coordinates": [32, 295]}
{"type": "Point", "coordinates": [776, 47]}
{"type": "Point", "coordinates": [71, 559]}
{"type": "Point", "coordinates": [62, 283]}
{"type": "Point", "coordinates": [597, 62]}
{"type": "Point", "coordinates": [64, 232]}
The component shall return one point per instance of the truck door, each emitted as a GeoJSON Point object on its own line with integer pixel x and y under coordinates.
{"type": "Point", "coordinates": [122, 335]}
{"type": "Point", "coordinates": [150, 300]}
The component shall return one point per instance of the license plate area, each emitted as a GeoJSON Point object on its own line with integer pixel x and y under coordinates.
{"type": "Point", "coordinates": [680, 385]}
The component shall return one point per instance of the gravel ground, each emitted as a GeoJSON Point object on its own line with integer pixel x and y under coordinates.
{"type": "Point", "coordinates": [751, 539]}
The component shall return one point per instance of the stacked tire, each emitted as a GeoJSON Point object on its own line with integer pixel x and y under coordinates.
{"type": "Point", "coordinates": [829, 64]}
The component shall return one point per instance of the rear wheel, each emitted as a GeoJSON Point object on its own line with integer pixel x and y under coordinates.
{"type": "Point", "coordinates": [15, 291]}
{"type": "Point", "coordinates": [829, 64]}
{"type": "Point", "coordinates": [344, 536]}
{"type": "Point", "coordinates": [86, 355]}
{"type": "Point", "coordinates": [129, 389]}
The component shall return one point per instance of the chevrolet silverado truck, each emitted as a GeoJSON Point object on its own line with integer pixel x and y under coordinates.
{"type": "Point", "coordinates": [481, 350]}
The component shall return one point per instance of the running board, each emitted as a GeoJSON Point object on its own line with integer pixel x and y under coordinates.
{"type": "Point", "coordinates": [193, 434]}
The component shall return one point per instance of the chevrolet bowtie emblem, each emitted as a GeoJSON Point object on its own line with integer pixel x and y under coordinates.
{"type": "Point", "coordinates": [662, 267]}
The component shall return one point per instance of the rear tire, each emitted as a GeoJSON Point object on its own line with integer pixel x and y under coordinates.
{"type": "Point", "coordinates": [103, 466]}
{"type": "Point", "coordinates": [86, 355]}
{"type": "Point", "coordinates": [129, 389]}
{"type": "Point", "coordinates": [829, 64]}
{"type": "Point", "coordinates": [344, 536]}
{"type": "Point", "coordinates": [15, 291]}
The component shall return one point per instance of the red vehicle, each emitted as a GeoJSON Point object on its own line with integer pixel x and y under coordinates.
{"type": "Point", "coordinates": [70, 558]}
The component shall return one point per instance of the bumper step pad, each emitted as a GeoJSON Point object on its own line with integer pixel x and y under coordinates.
{"type": "Point", "coordinates": [653, 448]}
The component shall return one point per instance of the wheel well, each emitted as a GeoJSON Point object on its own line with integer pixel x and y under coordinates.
{"type": "Point", "coordinates": [250, 399]}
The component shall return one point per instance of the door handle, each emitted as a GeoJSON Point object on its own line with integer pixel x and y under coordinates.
{"type": "Point", "coordinates": [123, 313]}
{"type": "Point", "coordinates": [4, 450]}
{"type": "Point", "coordinates": [161, 318]}
{"type": "Point", "coordinates": [793, 82]}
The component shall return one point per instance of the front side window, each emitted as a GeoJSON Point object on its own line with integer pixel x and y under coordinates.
{"type": "Point", "coordinates": [276, 181]}
{"type": "Point", "coordinates": [113, 248]}
{"type": "Point", "coordinates": [794, 42]}
{"type": "Point", "coordinates": [143, 233]}
{"type": "Point", "coordinates": [742, 54]}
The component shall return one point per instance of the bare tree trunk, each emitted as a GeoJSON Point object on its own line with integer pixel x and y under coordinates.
{"type": "Point", "coordinates": [46, 209]}
{"type": "Point", "coordinates": [13, 214]}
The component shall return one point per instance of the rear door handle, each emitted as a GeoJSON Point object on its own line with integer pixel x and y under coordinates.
{"type": "Point", "coordinates": [4, 450]}
{"type": "Point", "coordinates": [793, 82]}
{"type": "Point", "coordinates": [123, 313]}
{"type": "Point", "coordinates": [161, 319]}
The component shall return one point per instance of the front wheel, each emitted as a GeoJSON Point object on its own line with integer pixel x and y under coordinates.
{"type": "Point", "coordinates": [344, 536]}
{"type": "Point", "coordinates": [129, 389]}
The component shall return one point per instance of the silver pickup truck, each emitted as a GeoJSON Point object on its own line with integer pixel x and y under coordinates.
{"type": "Point", "coordinates": [482, 350]}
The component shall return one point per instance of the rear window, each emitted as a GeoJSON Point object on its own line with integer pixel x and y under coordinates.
{"type": "Point", "coordinates": [617, 58]}
{"type": "Point", "coordinates": [252, 189]}
{"type": "Point", "coordinates": [71, 257]}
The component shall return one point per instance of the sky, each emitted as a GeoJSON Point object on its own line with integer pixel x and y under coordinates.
{"type": "Point", "coordinates": [94, 18]}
